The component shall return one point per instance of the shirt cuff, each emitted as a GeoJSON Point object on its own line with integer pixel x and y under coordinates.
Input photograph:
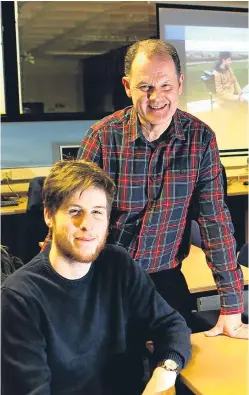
{"type": "Point", "coordinates": [230, 311]}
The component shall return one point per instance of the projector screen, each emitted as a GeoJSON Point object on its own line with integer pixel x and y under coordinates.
{"type": "Point", "coordinates": [215, 89]}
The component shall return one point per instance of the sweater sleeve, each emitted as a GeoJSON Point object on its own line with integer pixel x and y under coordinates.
{"type": "Point", "coordinates": [158, 320]}
{"type": "Point", "coordinates": [24, 361]}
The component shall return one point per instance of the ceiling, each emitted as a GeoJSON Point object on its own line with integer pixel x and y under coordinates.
{"type": "Point", "coordinates": [82, 28]}
{"type": "Point", "coordinates": [79, 29]}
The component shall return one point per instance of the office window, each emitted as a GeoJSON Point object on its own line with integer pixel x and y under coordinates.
{"type": "Point", "coordinates": [72, 52]}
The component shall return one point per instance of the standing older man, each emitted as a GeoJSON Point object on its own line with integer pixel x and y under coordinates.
{"type": "Point", "coordinates": [160, 159]}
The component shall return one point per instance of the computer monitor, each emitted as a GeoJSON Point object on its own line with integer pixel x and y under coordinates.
{"type": "Point", "coordinates": [68, 151]}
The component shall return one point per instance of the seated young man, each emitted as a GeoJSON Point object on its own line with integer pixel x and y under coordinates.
{"type": "Point", "coordinates": [75, 318]}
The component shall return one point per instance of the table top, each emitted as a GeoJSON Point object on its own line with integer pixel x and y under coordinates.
{"type": "Point", "coordinates": [20, 209]}
{"type": "Point", "coordinates": [219, 365]}
{"type": "Point", "coordinates": [21, 188]}
{"type": "Point", "coordinates": [197, 273]}
{"type": "Point", "coordinates": [236, 188]}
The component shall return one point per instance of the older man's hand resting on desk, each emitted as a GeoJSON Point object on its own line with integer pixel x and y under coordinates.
{"type": "Point", "coordinates": [230, 325]}
{"type": "Point", "coordinates": [160, 381]}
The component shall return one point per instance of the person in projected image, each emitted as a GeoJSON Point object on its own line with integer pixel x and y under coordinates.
{"type": "Point", "coordinates": [75, 318]}
{"type": "Point", "coordinates": [228, 90]}
{"type": "Point", "coordinates": [164, 162]}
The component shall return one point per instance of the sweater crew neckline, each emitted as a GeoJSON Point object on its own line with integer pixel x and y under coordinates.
{"type": "Point", "coordinates": [66, 281]}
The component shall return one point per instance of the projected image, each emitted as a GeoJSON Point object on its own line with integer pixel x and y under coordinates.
{"type": "Point", "coordinates": [213, 45]}
{"type": "Point", "coordinates": [216, 63]}
{"type": "Point", "coordinates": [216, 80]}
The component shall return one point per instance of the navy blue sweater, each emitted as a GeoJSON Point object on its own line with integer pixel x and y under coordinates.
{"type": "Point", "coordinates": [84, 336]}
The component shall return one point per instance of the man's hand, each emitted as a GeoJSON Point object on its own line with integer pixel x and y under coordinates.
{"type": "Point", "coordinates": [161, 380]}
{"type": "Point", "coordinates": [230, 325]}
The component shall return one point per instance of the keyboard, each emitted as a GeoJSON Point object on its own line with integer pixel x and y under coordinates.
{"type": "Point", "coordinates": [5, 203]}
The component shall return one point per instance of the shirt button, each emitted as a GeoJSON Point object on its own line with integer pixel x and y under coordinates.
{"type": "Point", "coordinates": [182, 171]}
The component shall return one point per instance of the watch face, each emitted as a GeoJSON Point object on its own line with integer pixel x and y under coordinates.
{"type": "Point", "coordinates": [170, 365]}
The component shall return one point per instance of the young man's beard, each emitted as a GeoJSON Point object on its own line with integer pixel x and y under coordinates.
{"type": "Point", "coordinates": [74, 255]}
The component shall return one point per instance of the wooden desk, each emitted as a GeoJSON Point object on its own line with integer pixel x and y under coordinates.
{"type": "Point", "coordinates": [197, 273]}
{"type": "Point", "coordinates": [219, 366]}
{"type": "Point", "coordinates": [18, 187]}
{"type": "Point", "coordinates": [20, 209]}
{"type": "Point", "coordinates": [236, 188]}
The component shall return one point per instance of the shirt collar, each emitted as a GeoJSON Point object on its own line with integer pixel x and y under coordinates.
{"type": "Point", "coordinates": [134, 126]}
{"type": "Point", "coordinates": [135, 130]}
{"type": "Point", "coordinates": [178, 127]}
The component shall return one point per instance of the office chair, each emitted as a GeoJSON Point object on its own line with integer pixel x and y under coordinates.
{"type": "Point", "coordinates": [195, 234]}
{"type": "Point", "coordinates": [243, 255]}
{"type": "Point", "coordinates": [36, 229]}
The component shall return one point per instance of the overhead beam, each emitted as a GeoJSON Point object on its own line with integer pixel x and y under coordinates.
{"type": "Point", "coordinates": [45, 6]}
{"type": "Point", "coordinates": [68, 33]}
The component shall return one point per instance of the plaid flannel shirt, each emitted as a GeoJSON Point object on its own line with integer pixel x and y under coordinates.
{"type": "Point", "coordinates": [155, 184]}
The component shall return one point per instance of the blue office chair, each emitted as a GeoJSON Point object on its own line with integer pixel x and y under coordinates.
{"type": "Point", "coordinates": [195, 234]}
{"type": "Point", "coordinates": [243, 255]}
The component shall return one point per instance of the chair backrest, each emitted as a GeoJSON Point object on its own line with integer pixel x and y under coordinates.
{"type": "Point", "coordinates": [195, 234]}
{"type": "Point", "coordinates": [224, 176]}
{"type": "Point", "coordinates": [35, 194]}
{"type": "Point", "coordinates": [36, 229]}
{"type": "Point", "coordinates": [243, 255]}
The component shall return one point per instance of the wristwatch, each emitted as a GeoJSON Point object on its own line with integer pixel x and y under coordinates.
{"type": "Point", "coordinates": [169, 364]}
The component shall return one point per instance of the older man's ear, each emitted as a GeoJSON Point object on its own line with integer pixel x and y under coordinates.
{"type": "Point", "coordinates": [126, 83]}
